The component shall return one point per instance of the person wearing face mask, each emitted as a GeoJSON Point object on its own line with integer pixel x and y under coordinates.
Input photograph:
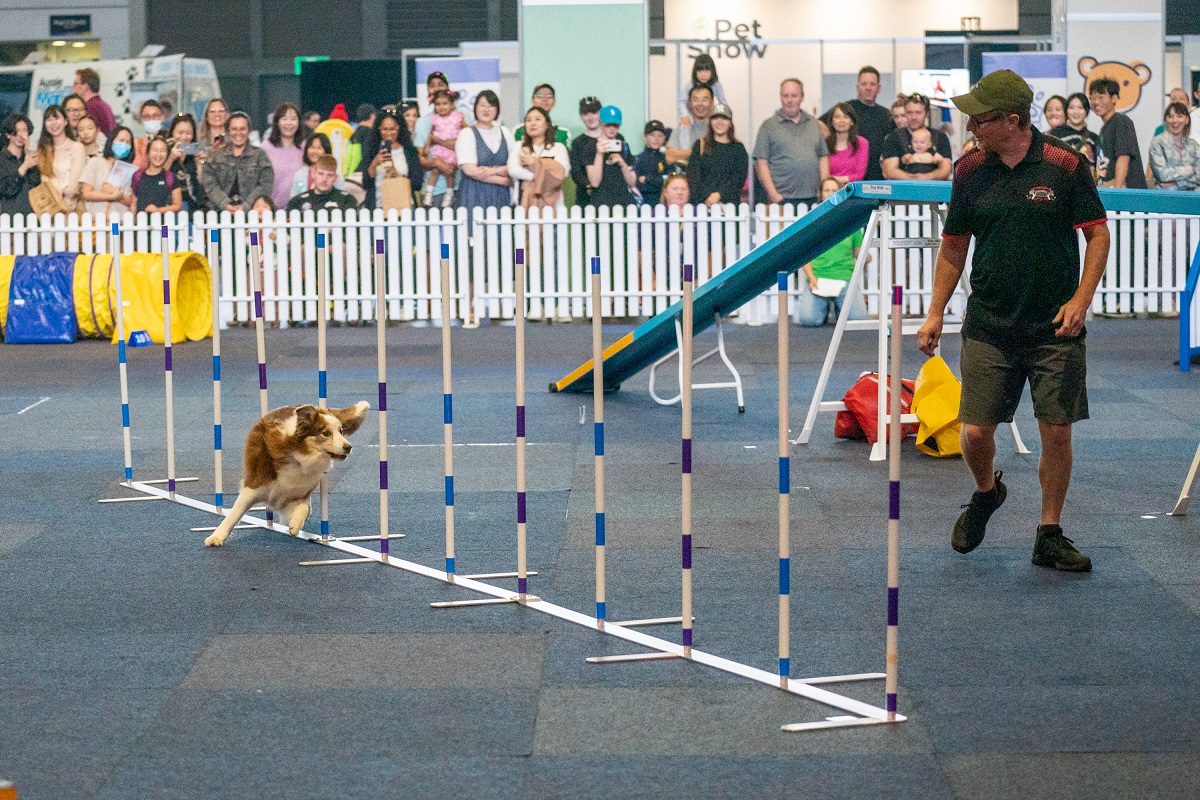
{"type": "Point", "coordinates": [151, 115]}
{"type": "Point", "coordinates": [18, 166]}
{"type": "Point", "coordinates": [100, 194]}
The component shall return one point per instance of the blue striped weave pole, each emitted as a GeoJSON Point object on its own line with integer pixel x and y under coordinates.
{"type": "Point", "coordinates": [168, 372]}
{"type": "Point", "coordinates": [447, 408]}
{"type": "Point", "coordinates": [785, 489]}
{"type": "Point", "coordinates": [891, 678]}
{"type": "Point", "coordinates": [260, 335]}
{"type": "Point", "coordinates": [214, 238]}
{"type": "Point", "coordinates": [322, 376]}
{"type": "Point", "coordinates": [685, 400]}
{"type": "Point", "coordinates": [114, 246]}
{"type": "Point", "coordinates": [519, 311]}
{"type": "Point", "coordinates": [598, 417]}
{"type": "Point", "coordinates": [381, 348]}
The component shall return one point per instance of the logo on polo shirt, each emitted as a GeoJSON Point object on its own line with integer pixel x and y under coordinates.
{"type": "Point", "coordinates": [1040, 194]}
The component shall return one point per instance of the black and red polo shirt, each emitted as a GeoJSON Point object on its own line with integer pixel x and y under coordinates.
{"type": "Point", "coordinates": [1024, 219]}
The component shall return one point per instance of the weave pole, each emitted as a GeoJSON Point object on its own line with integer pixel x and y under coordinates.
{"type": "Point", "coordinates": [785, 489]}
{"type": "Point", "coordinates": [519, 314]}
{"type": "Point", "coordinates": [381, 347]}
{"type": "Point", "coordinates": [447, 408]}
{"type": "Point", "coordinates": [685, 401]}
{"type": "Point", "coordinates": [322, 375]}
{"type": "Point", "coordinates": [891, 678]}
{"type": "Point", "coordinates": [598, 419]}
{"type": "Point", "coordinates": [114, 245]}
{"type": "Point", "coordinates": [168, 372]}
{"type": "Point", "coordinates": [260, 335]}
{"type": "Point", "coordinates": [256, 285]}
{"type": "Point", "coordinates": [218, 483]}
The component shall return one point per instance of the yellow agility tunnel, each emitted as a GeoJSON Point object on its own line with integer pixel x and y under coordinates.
{"type": "Point", "coordinates": [89, 286]}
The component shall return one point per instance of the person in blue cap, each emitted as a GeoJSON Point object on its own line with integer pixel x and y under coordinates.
{"type": "Point", "coordinates": [610, 175]}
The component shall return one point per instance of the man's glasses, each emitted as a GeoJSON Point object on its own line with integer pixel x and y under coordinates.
{"type": "Point", "coordinates": [977, 119]}
{"type": "Point", "coordinates": [543, 96]}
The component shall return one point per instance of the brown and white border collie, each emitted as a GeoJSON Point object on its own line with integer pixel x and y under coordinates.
{"type": "Point", "coordinates": [287, 452]}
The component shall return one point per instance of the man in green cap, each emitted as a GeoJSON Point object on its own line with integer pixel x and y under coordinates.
{"type": "Point", "coordinates": [1022, 196]}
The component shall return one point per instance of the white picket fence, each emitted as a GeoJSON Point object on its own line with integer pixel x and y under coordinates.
{"type": "Point", "coordinates": [641, 251]}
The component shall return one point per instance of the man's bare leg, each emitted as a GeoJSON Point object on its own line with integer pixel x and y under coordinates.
{"type": "Point", "coordinates": [1054, 469]}
{"type": "Point", "coordinates": [979, 451]}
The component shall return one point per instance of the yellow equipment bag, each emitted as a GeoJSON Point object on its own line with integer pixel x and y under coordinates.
{"type": "Point", "coordinates": [935, 402]}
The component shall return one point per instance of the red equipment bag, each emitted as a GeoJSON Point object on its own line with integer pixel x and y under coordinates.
{"type": "Point", "coordinates": [859, 420]}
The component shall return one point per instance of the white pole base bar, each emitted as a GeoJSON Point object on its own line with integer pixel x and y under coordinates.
{"type": "Point", "coordinates": [165, 480]}
{"type": "Point", "coordinates": [864, 713]}
{"type": "Point", "coordinates": [838, 722]}
{"type": "Point", "coordinates": [206, 528]}
{"type": "Point", "coordinates": [635, 623]}
{"type": "Point", "coordinates": [487, 601]}
{"type": "Point", "coordinates": [334, 561]}
{"type": "Point", "coordinates": [630, 657]}
{"type": "Point", "coordinates": [488, 576]}
{"type": "Point", "coordinates": [129, 500]}
{"type": "Point", "coordinates": [156, 481]}
{"type": "Point", "coordinates": [363, 538]}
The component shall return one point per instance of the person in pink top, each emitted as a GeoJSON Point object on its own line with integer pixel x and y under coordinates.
{"type": "Point", "coordinates": [848, 152]}
{"type": "Point", "coordinates": [285, 147]}
{"type": "Point", "coordinates": [446, 123]}
{"type": "Point", "coordinates": [87, 86]}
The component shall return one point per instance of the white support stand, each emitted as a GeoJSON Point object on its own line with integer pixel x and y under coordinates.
{"type": "Point", "coordinates": [878, 227]}
{"type": "Point", "coordinates": [719, 350]}
{"type": "Point", "coordinates": [1189, 483]}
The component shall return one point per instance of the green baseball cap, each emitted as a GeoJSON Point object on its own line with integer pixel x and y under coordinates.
{"type": "Point", "coordinates": [1003, 90]}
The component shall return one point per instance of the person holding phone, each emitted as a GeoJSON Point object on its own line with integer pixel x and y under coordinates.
{"type": "Point", "coordinates": [396, 156]}
{"type": "Point", "coordinates": [185, 162]}
{"type": "Point", "coordinates": [610, 175]}
{"type": "Point", "coordinates": [212, 127]}
{"type": "Point", "coordinates": [18, 166]}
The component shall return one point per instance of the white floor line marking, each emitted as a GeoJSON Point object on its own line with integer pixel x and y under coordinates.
{"type": "Point", "coordinates": [35, 405]}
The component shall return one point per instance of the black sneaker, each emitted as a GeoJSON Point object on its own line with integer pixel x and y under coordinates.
{"type": "Point", "coordinates": [1052, 549]}
{"type": "Point", "coordinates": [972, 523]}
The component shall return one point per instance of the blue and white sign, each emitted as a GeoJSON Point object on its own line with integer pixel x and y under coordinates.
{"type": "Point", "coordinates": [1046, 74]}
{"type": "Point", "coordinates": [467, 76]}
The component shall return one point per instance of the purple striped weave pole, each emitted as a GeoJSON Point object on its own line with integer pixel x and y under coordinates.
{"type": "Point", "coordinates": [168, 372]}
{"type": "Point", "coordinates": [598, 420]}
{"type": "Point", "coordinates": [256, 284]}
{"type": "Point", "coordinates": [519, 318]}
{"type": "Point", "coordinates": [259, 333]}
{"type": "Point", "coordinates": [891, 678]}
{"type": "Point", "coordinates": [114, 247]}
{"type": "Point", "coordinates": [381, 348]}
{"type": "Point", "coordinates": [685, 401]}
{"type": "Point", "coordinates": [785, 490]}
{"type": "Point", "coordinates": [322, 381]}
{"type": "Point", "coordinates": [214, 262]}
{"type": "Point", "coordinates": [447, 408]}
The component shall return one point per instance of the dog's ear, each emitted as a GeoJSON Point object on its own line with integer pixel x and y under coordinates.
{"type": "Point", "coordinates": [352, 417]}
{"type": "Point", "coordinates": [306, 420]}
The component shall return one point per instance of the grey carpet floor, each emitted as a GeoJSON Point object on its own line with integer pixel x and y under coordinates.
{"type": "Point", "coordinates": [138, 664]}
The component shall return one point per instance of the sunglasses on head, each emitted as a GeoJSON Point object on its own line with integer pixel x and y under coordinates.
{"type": "Point", "coordinates": [918, 98]}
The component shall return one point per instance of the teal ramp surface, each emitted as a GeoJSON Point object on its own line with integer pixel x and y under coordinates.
{"type": "Point", "coordinates": [799, 243]}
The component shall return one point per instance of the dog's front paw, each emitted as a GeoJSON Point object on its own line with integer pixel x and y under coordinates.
{"type": "Point", "coordinates": [214, 540]}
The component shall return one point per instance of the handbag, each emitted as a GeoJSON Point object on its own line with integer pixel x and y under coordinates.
{"type": "Point", "coordinates": [395, 193]}
{"type": "Point", "coordinates": [935, 402]}
{"type": "Point", "coordinates": [46, 199]}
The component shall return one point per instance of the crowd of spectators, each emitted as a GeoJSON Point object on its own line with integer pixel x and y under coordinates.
{"type": "Point", "coordinates": [451, 157]}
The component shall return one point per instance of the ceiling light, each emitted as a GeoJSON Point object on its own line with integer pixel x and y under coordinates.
{"type": "Point", "coordinates": [58, 43]}
{"type": "Point", "coordinates": [78, 44]}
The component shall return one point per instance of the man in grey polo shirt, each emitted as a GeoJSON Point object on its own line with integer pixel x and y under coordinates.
{"type": "Point", "coordinates": [790, 156]}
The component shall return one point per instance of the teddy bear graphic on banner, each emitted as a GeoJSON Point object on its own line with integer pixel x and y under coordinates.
{"type": "Point", "coordinates": [1130, 77]}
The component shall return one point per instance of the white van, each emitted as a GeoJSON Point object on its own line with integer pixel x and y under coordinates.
{"type": "Point", "coordinates": [187, 83]}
